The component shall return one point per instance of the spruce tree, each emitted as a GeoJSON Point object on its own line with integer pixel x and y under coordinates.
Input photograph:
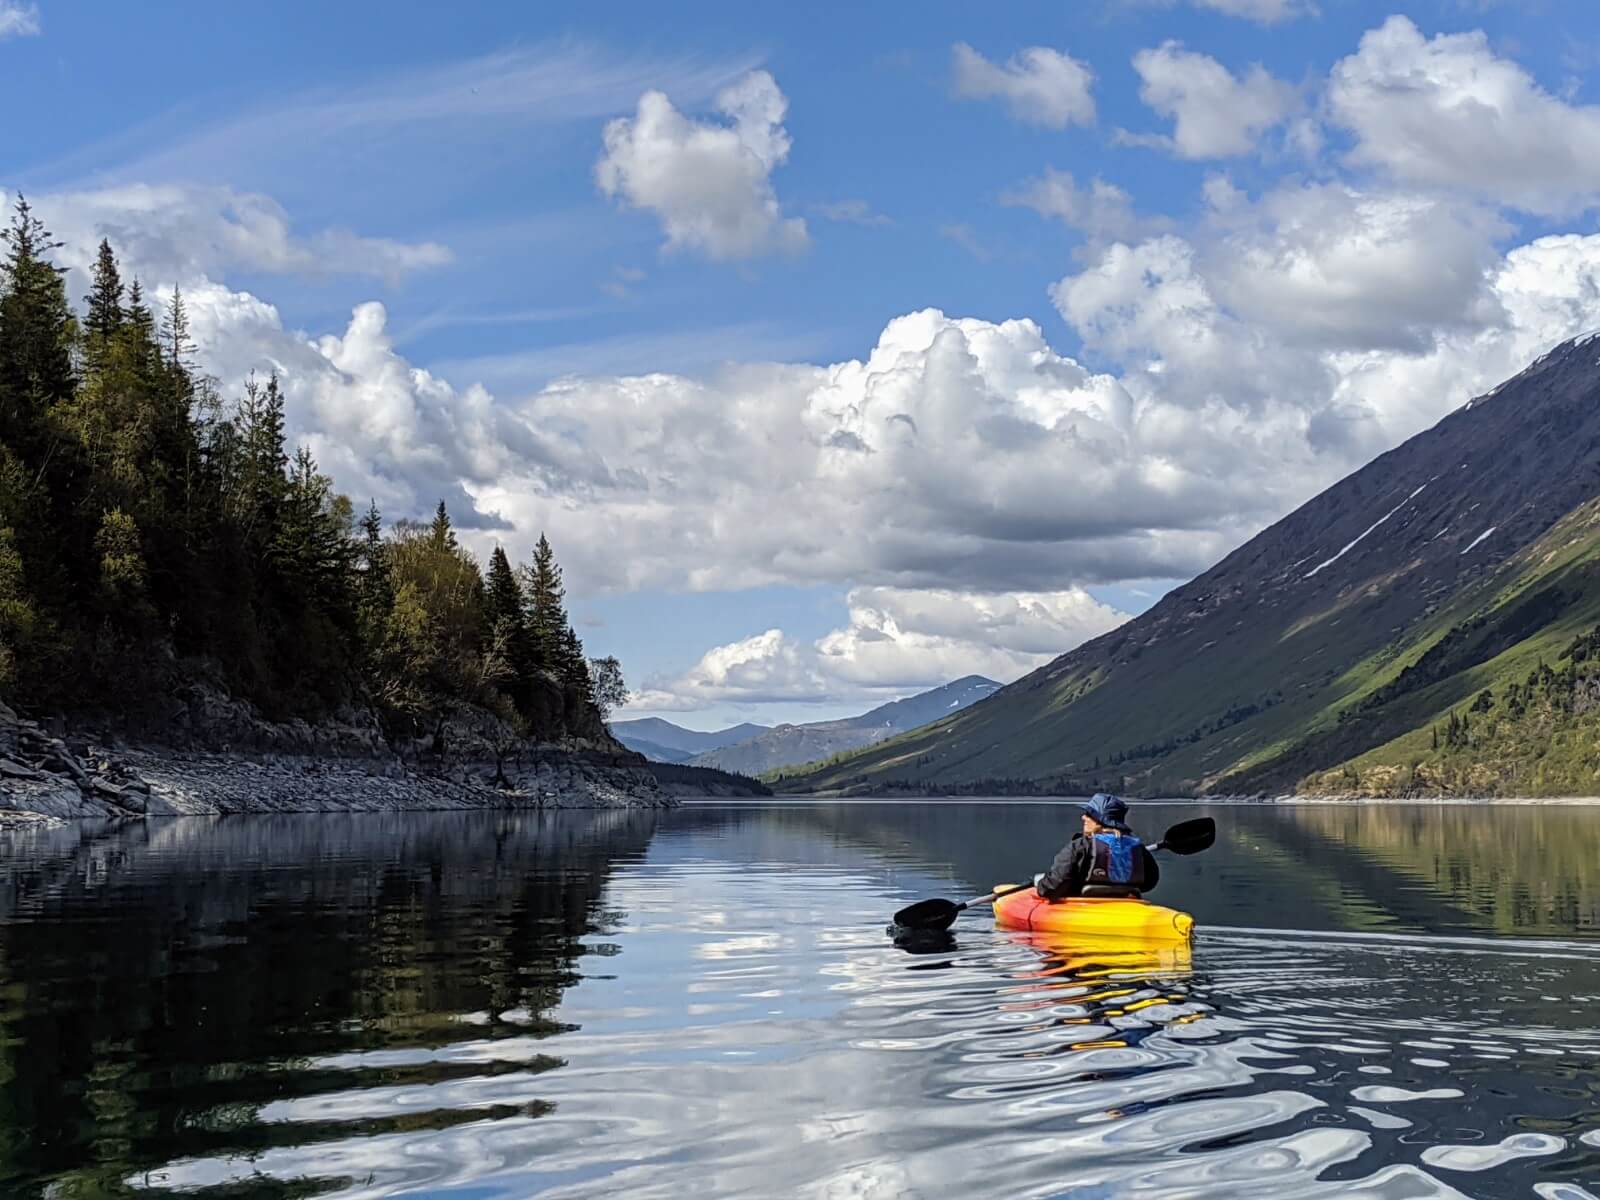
{"type": "Point", "coordinates": [258, 484]}
{"type": "Point", "coordinates": [574, 666]}
{"type": "Point", "coordinates": [139, 317]}
{"type": "Point", "coordinates": [544, 597]}
{"type": "Point", "coordinates": [444, 537]}
{"type": "Point", "coordinates": [176, 347]}
{"type": "Point", "coordinates": [377, 585]}
{"type": "Point", "coordinates": [105, 316]}
{"type": "Point", "coordinates": [506, 622]}
{"type": "Point", "coordinates": [41, 464]}
{"type": "Point", "coordinates": [36, 335]}
{"type": "Point", "coordinates": [311, 544]}
{"type": "Point", "coordinates": [505, 593]}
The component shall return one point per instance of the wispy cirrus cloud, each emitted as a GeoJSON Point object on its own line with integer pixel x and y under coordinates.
{"type": "Point", "coordinates": [18, 20]}
{"type": "Point", "coordinates": [852, 212]}
{"type": "Point", "coordinates": [176, 231]}
{"type": "Point", "coordinates": [376, 127]}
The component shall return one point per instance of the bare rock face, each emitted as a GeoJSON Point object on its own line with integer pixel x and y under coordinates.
{"type": "Point", "coordinates": [200, 715]}
{"type": "Point", "coordinates": [198, 749]}
{"type": "Point", "coordinates": [220, 755]}
{"type": "Point", "coordinates": [41, 773]}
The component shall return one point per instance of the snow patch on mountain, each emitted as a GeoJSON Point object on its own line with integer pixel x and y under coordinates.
{"type": "Point", "coordinates": [1328, 563]}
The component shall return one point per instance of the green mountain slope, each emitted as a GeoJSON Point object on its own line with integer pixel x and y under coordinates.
{"type": "Point", "coordinates": [1342, 635]}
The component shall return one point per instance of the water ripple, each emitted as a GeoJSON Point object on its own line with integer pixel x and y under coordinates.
{"type": "Point", "coordinates": [694, 1025]}
{"type": "Point", "coordinates": [1006, 1063]}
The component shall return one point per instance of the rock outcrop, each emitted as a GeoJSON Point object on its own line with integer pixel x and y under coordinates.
{"type": "Point", "coordinates": [202, 751]}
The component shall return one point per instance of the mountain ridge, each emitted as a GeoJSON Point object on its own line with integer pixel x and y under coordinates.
{"type": "Point", "coordinates": [793, 744]}
{"type": "Point", "coordinates": [662, 741]}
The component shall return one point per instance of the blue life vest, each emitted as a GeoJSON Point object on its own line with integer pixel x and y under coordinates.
{"type": "Point", "coordinates": [1117, 861]}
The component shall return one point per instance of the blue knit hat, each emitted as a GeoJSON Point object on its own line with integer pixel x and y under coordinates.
{"type": "Point", "coordinates": [1110, 811]}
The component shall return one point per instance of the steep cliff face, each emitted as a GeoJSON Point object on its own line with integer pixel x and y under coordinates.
{"type": "Point", "coordinates": [1256, 673]}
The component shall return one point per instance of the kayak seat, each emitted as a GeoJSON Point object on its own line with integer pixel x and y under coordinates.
{"type": "Point", "coordinates": [1120, 891]}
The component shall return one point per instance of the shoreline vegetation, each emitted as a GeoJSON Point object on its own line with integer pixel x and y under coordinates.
{"type": "Point", "coordinates": [192, 619]}
{"type": "Point", "coordinates": [1334, 800]}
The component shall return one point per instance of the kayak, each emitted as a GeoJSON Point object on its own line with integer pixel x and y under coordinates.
{"type": "Point", "coordinates": [1094, 917]}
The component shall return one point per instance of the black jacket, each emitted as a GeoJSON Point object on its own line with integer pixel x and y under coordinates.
{"type": "Point", "coordinates": [1072, 865]}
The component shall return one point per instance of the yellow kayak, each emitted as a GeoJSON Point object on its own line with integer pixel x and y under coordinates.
{"type": "Point", "coordinates": [1094, 917]}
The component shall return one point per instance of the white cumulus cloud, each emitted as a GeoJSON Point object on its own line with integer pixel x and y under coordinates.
{"type": "Point", "coordinates": [1304, 320]}
{"type": "Point", "coordinates": [1040, 86]}
{"type": "Point", "coordinates": [1336, 267]}
{"type": "Point", "coordinates": [709, 183]}
{"type": "Point", "coordinates": [1448, 112]}
{"type": "Point", "coordinates": [1215, 113]}
{"type": "Point", "coordinates": [895, 641]}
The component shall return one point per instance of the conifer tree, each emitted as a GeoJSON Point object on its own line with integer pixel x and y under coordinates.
{"type": "Point", "coordinates": [505, 593]}
{"type": "Point", "coordinates": [377, 585]}
{"type": "Point", "coordinates": [444, 537]}
{"type": "Point", "coordinates": [544, 597]}
{"type": "Point", "coordinates": [176, 347]}
{"type": "Point", "coordinates": [574, 666]}
{"type": "Point", "coordinates": [105, 316]}
{"type": "Point", "coordinates": [507, 623]}
{"type": "Point", "coordinates": [36, 335]}
{"type": "Point", "coordinates": [259, 481]}
{"type": "Point", "coordinates": [138, 314]}
{"type": "Point", "coordinates": [311, 543]}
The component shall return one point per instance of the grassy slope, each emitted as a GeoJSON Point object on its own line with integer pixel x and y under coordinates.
{"type": "Point", "coordinates": [1091, 710]}
{"type": "Point", "coordinates": [1559, 576]}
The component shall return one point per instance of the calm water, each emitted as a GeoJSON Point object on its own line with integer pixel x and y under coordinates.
{"type": "Point", "coordinates": [1387, 1003]}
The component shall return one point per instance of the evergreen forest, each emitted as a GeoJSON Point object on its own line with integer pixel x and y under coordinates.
{"type": "Point", "coordinates": [152, 528]}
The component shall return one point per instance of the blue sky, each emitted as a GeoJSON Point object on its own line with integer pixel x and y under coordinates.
{"type": "Point", "coordinates": [1257, 241]}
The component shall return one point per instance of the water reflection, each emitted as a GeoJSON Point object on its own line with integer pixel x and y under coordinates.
{"type": "Point", "coordinates": [597, 1004]}
{"type": "Point", "coordinates": [159, 982]}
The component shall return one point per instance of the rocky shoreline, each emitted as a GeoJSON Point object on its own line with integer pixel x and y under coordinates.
{"type": "Point", "coordinates": [48, 773]}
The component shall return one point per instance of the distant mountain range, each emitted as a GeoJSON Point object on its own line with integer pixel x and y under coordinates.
{"type": "Point", "coordinates": [793, 745]}
{"type": "Point", "coordinates": [662, 741]}
{"type": "Point", "coordinates": [1428, 625]}
{"type": "Point", "coordinates": [758, 749]}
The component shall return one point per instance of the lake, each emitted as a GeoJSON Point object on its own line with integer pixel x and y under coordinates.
{"type": "Point", "coordinates": [1387, 1002]}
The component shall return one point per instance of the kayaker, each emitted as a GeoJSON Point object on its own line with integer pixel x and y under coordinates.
{"type": "Point", "coordinates": [1105, 859]}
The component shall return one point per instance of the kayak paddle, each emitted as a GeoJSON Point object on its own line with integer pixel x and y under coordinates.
{"type": "Point", "coordinates": [1186, 837]}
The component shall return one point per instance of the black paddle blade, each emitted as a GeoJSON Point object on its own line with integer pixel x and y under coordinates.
{"type": "Point", "coordinates": [1190, 837]}
{"type": "Point", "coordinates": [928, 915]}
